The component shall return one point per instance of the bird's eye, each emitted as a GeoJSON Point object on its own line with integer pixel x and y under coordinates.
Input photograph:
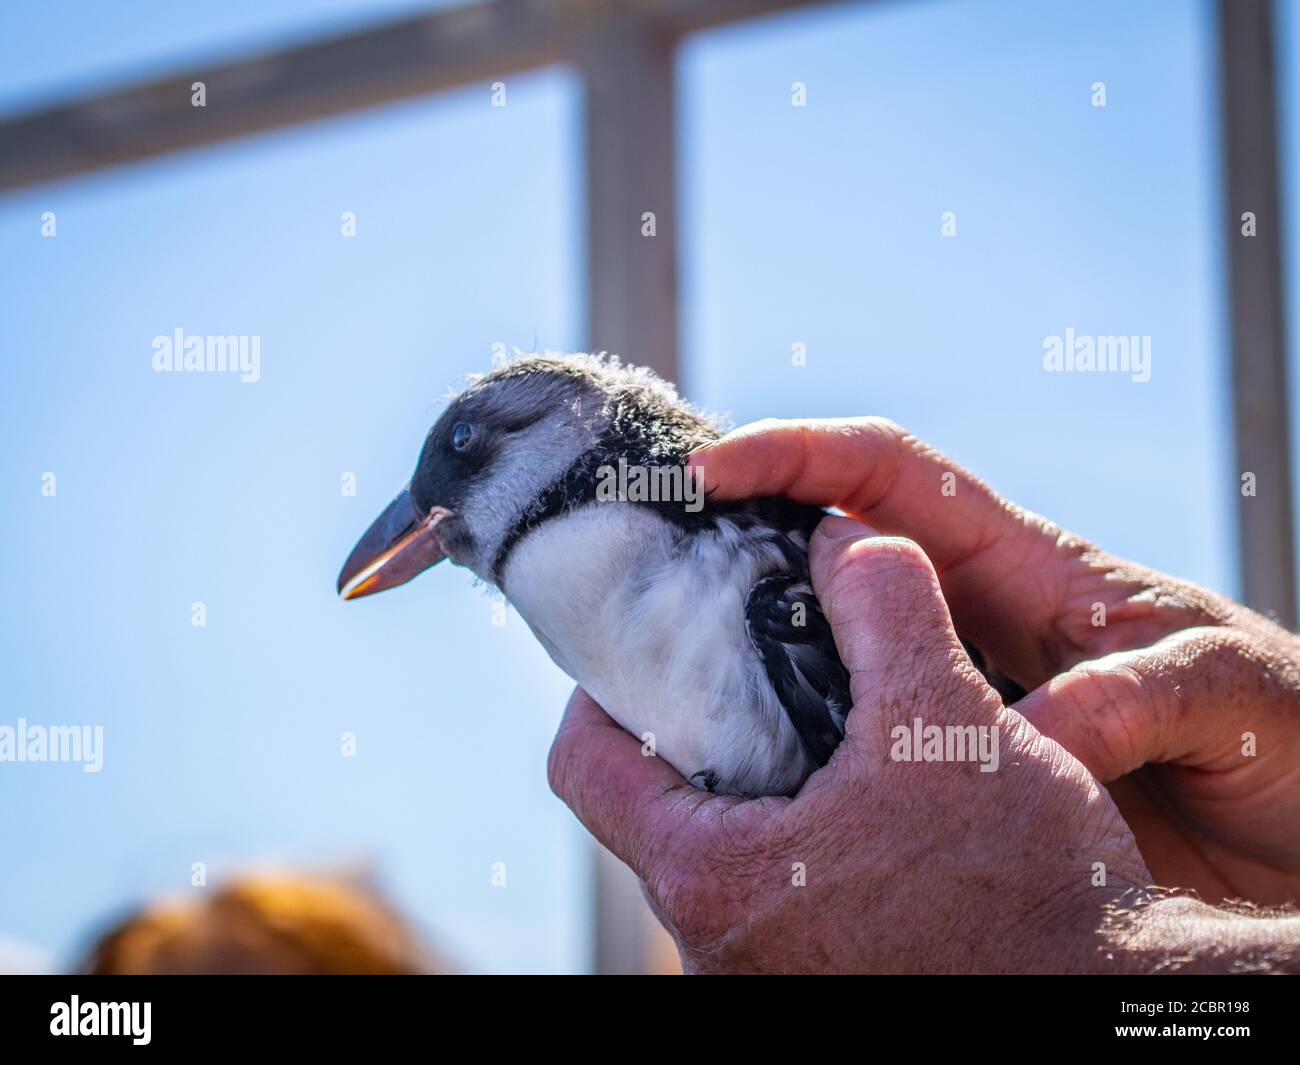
{"type": "Point", "coordinates": [461, 434]}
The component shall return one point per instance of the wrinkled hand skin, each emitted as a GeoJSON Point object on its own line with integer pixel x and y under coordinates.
{"type": "Point", "coordinates": [1156, 700]}
{"type": "Point", "coordinates": [905, 866]}
{"type": "Point", "coordinates": [1147, 684]}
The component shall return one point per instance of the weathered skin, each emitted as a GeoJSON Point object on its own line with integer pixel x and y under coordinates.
{"type": "Point", "coordinates": [936, 866]}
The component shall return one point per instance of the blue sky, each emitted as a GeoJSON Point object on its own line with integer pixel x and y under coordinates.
{"type": "Point", "coordinates": [816, 225]}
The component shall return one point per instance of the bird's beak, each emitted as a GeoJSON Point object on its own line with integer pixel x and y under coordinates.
{"type": "Point", "coordinates": [401, 544]}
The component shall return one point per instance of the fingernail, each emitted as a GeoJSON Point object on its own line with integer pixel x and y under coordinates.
{"type": "Point", "coordinates": [835, 527]}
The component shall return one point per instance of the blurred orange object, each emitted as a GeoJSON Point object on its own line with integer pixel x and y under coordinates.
{"type": "Point", "coordinates": [266, 924]}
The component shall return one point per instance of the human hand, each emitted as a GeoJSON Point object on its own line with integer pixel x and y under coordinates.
{"type": "Point", "coordinates": [878, 864]}
{"type": "Point", "coordinates": [1158, 686]}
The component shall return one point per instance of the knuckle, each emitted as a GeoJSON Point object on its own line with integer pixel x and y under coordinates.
{"type": "Point", "coordinates": [885, 429]}
{"type": "Point", "coordinates": [1232, 663]}
{"type": "Point", "coordinates": [886, 443]}
{"type": "Point", "coordinates": [1220, 647]}
{"type": "Point", "coordinates": [882, 558]}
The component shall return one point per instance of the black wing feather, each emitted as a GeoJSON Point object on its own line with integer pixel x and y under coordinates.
{"type": "Point", "coordinates": [805, 668]}
{"type": "Point", "coordinates": [793, 638]}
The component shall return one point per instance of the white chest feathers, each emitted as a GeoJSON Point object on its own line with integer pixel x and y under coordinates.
{"type": "Point", "coordinates": [652, 624]}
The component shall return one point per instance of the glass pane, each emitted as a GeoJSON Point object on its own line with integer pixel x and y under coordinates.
{"type": "Point", "coordinates": [223, 743]}
{"type": "Point", "coordinates": [823, 225]}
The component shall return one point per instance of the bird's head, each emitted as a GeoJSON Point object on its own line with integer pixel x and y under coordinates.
{"type": "Point", "coordinates": [497, 446]}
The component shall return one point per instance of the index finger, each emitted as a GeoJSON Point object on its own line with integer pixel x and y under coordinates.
{"type": "Point", "coordinates": [868, 467]}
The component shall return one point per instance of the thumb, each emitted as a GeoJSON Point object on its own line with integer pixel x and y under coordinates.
{"type": "Point", "coordinates": [1184, 700]}
{"type": "Point", "coordinates": [892, 627]}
